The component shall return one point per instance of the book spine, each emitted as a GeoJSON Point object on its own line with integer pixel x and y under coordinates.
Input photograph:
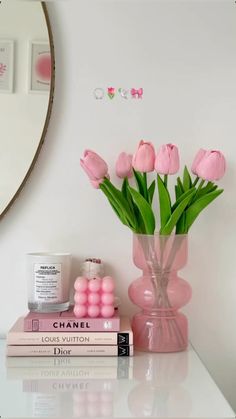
{"type": "Point", "coordinates": [76, 338]}
{"type": "Point", "coordinates": [76, 350]}
{"type": "Point", "coordinates": [72, 325]}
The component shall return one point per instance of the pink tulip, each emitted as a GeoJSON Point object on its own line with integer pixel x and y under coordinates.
{"type": "Point", "coordinates": [124, 165]}
{"type": "Point", "coordinates": [111, 90]}
{"type": "Point", "coordinates": [144, 158]}
{"type": "Point", "coordinates": [167, 160]}
{"type": "Point", "coordinates": [212, 166]}
{"type": "Point", "coordinates": [95, 167]}
{"type": "Point", "coordinates": [199, 156]}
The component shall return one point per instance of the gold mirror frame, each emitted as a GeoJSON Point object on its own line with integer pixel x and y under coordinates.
{"type": "Point", "coordinates": [49, 111]}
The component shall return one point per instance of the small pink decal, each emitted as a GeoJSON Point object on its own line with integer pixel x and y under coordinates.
{"type": "Point", "coordinates": [124, 93]}
{"type": "Point", "coordinates": [111, 92]}
{"type": "Point", "coordinates": [137, 93]}
{"type": "Point", "coordinates": [3, 69]}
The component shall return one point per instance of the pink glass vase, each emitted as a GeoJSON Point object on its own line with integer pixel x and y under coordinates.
{"type": "Point", "coordinates": [160, 293]}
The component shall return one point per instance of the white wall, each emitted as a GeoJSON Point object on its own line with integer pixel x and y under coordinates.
{"type": "Point", "coordinates": [184, 56]}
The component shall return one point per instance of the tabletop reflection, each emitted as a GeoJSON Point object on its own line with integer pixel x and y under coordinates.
{"type": "Point", "coordinates": [148, 385]}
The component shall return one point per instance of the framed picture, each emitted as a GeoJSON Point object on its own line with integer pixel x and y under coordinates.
{"type": "Point", "coordinates": [6, 65]}
{"type": "Point", "coordinates": [40, 67]}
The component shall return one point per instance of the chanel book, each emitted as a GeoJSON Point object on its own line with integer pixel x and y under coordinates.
{"type": "Point", "coordinates": [17, 336]}
{"type": "Point", "coordinates": [66, 321]}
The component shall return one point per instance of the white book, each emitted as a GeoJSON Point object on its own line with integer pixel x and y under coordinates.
{"type": "Point", "coordinates": [73, 350]}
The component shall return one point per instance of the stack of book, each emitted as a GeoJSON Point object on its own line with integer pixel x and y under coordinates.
{"type": "Point", "coordinates": [62, 334]}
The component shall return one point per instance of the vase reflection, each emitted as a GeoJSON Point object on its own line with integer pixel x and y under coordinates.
{"type": "Point", "coordinates": [160, 393]}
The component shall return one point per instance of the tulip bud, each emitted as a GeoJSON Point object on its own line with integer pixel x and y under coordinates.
{"type": "Point", "coordinates": [144, 158]}
{"type": "Point", "coordinates": [212, 166]}
{"type": "Point", "coordinates": [95, 167]}
{"type": "Point", "coordinates": [124, 165]}
{"type": "Point", "coordinates": [200, 154]}
{"type": "Point", "coordinates": [167, 160]}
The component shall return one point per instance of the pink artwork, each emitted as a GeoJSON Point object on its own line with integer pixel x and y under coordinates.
{"type": "Point", "coordinates": [43, 67]}
{"type": "Point", "coordinates": [6, 65]}
{"type": "Point", "coordinates": [3, 68]}
{"type": "Point", "coordinates": [40, 67]}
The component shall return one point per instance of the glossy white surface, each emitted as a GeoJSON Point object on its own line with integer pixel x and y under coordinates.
{"type": "Point", "coordinates": [148, 386]}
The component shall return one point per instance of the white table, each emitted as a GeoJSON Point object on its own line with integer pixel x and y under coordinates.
{"type": "Point", "coordinates": [145, 386]}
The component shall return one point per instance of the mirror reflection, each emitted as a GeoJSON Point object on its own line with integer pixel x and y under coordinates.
{"type": "Point", "coordinates": [26, 85]}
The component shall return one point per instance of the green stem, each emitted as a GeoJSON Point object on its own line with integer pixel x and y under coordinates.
{"type": "Point", "coordinates": [166, 180]}
{"type": "Point", "coordinates": [196, 181]}
{"type": "Point", "coordinates": [198, 189]}
{"type": "Point", "coordinates": [145, 186]}
{"type": "Point", "coordinates": [201, 185]}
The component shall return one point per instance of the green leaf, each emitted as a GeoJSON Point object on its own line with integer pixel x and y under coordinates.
{"type": "Point", "coordinates": [176, 215]}
{"type": "Point", "coordinates": [140, 182]}
{"type": "Point", "coordinates": [145, 211]}
{"type": "Point", "coordinates": [140, 223]}
{"type": "Point", "coordinates": [145, 187]}
{"type": "Point", "coordinates": [114, 205]}
{"type": "Point", "coordinates": [187, 181]}
{"type": "Point", "coordinates": [120, 203]}
{"type": "Point", "coordinates": [126, 192]}
{"type": "Point", "coordinates": [180, 185]}
{"type": "Point", "coordinates": [140, 228]}
{"type": "Point", "coordinates": [183, 196]}
{"type": "Point", "coordinates": [210, 187]}
{"type": "Point", "coordinates": [151, 191]}
{"type": "Point", "coordinates": [177, 192]}
{"type": "Point", "coordinates": [194, 210]}
{"type": "Point", "coordinates": [127, 195]}
{"type": "Point", "coordinates": [181, 224]}
{"type": "Point", "coordinates": [164, 201]}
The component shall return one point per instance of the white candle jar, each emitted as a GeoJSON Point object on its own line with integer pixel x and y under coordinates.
{"type": "Point", "coordinates": [48, 282]}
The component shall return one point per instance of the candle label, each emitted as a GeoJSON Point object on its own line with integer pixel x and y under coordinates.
{"type": "Point", "coordinates": [47, 278]}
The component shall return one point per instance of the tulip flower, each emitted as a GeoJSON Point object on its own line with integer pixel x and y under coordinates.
{"type": "Point", "coordinates": [199, 156]}
{"type": "Point", "coordinates": [167, 160]}
{"type": "Point", "coordinates": [95, 167]}
{"type": "Point", "coordinates": [124, 165]}
{"type": "Point", "coordinates": [144, 158]}
{"type": "Point", "coordinates": [111, 92]}
{"type": "Point", "coordinates": [211, 166]}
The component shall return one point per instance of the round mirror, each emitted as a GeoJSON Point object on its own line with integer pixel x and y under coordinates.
{"type": "Point", "coordinates": [26, 91]}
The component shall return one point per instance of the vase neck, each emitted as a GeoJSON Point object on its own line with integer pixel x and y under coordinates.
{"type": "Point", "coordinates": [160, 252]}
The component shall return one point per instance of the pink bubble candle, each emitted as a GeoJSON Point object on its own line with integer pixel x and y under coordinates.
{"type": "Point", "coordinates": [94, 297]}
